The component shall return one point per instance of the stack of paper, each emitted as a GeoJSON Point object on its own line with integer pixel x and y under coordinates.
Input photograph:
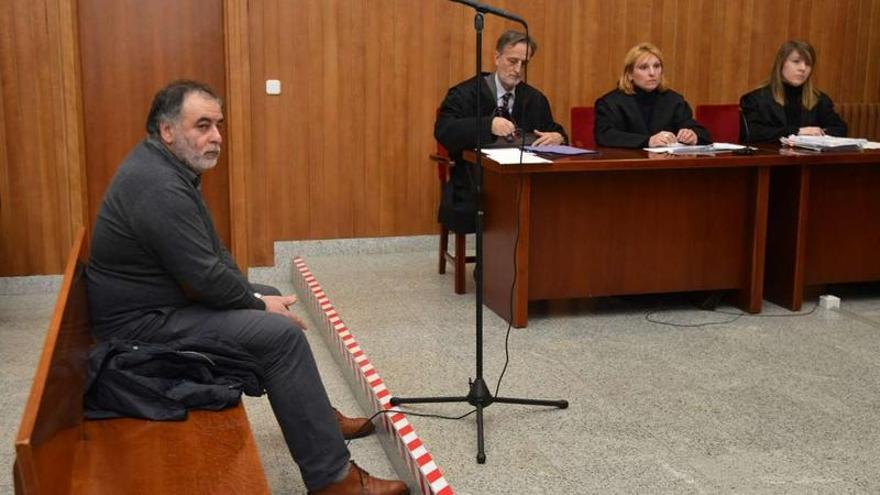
{"type": "Point", "coordinates": [682, 149]}
{"type": "Point", "coordinates": [512, 156]}
{"type": "Point", "coordinates": [560, 149]}
{"type": "Point", "coordinates": [824, 143]}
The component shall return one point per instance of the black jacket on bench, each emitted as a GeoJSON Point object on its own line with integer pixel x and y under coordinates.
{"type": "Point", "coordinates": [163, 381]}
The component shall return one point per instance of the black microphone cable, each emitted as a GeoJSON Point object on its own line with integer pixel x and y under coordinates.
{"type": "Point", "coordinates": [517, 207]}
{"type": "Point", "coordinates": [745, 127]}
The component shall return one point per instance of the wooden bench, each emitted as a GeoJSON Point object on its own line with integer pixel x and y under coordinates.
{"type": "Point", "coordinates": [58, 452]}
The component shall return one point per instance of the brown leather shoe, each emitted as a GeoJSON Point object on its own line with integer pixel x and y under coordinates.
{"type": "Point", "coordinates": [353, 427]}
{"type": "Point", "coordinates": [359, 482]}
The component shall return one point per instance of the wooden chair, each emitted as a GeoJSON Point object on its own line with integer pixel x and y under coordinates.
{"type": "Point", "coordinates": [460, 258]}
{"type": "Point", "coordinates": [582, 119]}
{"type": "Point", "coordinates": [57, 452]}
{"type": "Point", "coordinates": [722, 121]}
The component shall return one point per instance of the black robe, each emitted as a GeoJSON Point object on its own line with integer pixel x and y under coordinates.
{"type": "Point", "coordinates": [619, 122]}
{"type": "Point", "coordinates": [767, 121]}
{"type": "Point", "coordinates": [454, 129]}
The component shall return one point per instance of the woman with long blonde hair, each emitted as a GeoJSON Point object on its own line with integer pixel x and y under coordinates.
{"type": "Point", "coordinates": [788, 102]}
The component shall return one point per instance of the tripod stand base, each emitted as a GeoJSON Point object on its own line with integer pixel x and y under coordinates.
{"type": "Point", "coordinates": [479, 397]}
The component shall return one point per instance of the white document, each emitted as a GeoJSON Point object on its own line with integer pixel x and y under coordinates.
{"type": "Point", "coordinates": [727, 146]}
{"type": "Point", "coordinates": [872, 145]}
{"type": "Point", "coordinates": [823, 143]}
{"type": "Point", "coordinates": [682, 149]}
{"type": "Point", "coordinates": [511, 156]}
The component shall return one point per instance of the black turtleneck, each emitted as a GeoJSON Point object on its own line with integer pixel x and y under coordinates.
{"type": "Point", "coordinates": [793, 104]}
{"type": "Point", "coordinates": [646, 100]}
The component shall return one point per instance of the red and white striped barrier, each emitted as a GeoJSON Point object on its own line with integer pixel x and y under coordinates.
{"type": "Point", "coordinates": [400, 438]}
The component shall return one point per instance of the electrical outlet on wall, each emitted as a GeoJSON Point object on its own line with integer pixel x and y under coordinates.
{"type": "Point", "coordinates": [273, 87]}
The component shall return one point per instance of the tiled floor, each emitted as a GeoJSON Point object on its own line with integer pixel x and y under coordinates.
{"type": "Point", "coordinates": [766, 404]}
{"type": "Point", "coordinates": [760, 404]}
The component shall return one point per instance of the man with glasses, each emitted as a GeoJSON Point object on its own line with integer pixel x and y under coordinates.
{"type": "Point", "coordinates": [508, 108]}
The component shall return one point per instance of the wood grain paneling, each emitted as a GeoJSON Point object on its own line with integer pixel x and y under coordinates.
{"type": "Point", "coordinates": [342, 152]}
{"type": "Point", "coordinates": [238, 118]}
{"type": "Point", "coordinates": [129, 50]}
{"type": "Point", "coordinates": [40, 138]}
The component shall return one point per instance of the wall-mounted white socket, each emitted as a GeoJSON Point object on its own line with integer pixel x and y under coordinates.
{"type": "Point", "coordinates": [273, 87]}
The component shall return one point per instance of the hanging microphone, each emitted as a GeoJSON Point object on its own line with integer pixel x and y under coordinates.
{"type": "Point", "coordinates": [744, 131]}
{"type": "Point", "coordinates": [486, 9]}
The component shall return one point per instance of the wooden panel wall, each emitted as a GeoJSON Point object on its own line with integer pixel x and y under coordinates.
{"type": "Point", "coordinates": [129, 50]}
{"type": "Point", "coordinates": [342, 152]}
{"type": "Point", "coordinates": [41, 168]}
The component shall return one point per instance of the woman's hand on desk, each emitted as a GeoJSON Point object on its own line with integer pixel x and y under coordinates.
{"type": "Point", "coordinates": [662, 138]}
{"type": "Point", "coordinates": [547, 138]}
{"type": "Point", "coordinates": [811, 131]}
{"type": "Point", "coordinates": [687, 136]}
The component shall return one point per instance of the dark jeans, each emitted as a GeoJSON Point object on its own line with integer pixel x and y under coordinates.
{"type": "Point", "coordinates": [292, 382]}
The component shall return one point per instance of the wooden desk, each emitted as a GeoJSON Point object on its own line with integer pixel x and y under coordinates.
{"type": "Point", "coordinates": [824, 224]}
{"type": "Point", "coordinates": [624, 222]}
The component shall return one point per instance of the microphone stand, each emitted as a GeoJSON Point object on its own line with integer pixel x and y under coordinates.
{"type": "Point", "coordinates": [745, 126]}
{"type": "Point", "coordinates": [479, 395]}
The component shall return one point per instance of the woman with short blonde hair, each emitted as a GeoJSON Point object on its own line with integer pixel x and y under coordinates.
{"type": "Point", "coordinates": [629, 62]}
{"type": "Point", "coordinates": [643, 111]}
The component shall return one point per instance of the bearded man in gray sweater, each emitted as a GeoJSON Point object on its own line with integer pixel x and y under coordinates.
{"type": "Point", "coordinates": [158, 272]}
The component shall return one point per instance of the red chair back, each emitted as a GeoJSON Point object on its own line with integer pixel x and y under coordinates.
{"type": "Point", "coordinates": [582, 127]}
{"type": "Point", "coordinates": [721, 120]}
{"type": "Point", "coordinates": [441, 150]}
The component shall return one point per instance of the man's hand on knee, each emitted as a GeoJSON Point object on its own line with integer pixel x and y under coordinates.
{"type": "Point", "coordinates": [280, 305]}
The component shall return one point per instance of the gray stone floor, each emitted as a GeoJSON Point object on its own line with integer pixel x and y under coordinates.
{"type": "Point", "coordinates": [25, 309]}
{"type": "Point", "coordinates": [760, 404]}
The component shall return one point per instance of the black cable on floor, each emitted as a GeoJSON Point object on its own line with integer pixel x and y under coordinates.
{"type": "Point", "coordinates": [736, 316]}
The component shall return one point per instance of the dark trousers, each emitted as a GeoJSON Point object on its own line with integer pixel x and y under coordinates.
{"type": "Point", "coordinates": [292, 382]}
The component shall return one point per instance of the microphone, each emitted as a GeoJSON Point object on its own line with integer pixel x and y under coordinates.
{"type": "Point", "coordinates": [486, 9]}
{"type": "Point", "coordinates": [748, 135]}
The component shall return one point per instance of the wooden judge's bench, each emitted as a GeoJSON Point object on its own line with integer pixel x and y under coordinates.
{"type": "Point", "coordinates": [631, 222]}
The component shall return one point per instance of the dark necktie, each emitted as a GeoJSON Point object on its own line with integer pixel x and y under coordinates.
{"type": "Point", "coordinates": [502, 109]}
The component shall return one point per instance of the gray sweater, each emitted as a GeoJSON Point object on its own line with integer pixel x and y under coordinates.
{"type": "Point", "coordinates": [154, 247]}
